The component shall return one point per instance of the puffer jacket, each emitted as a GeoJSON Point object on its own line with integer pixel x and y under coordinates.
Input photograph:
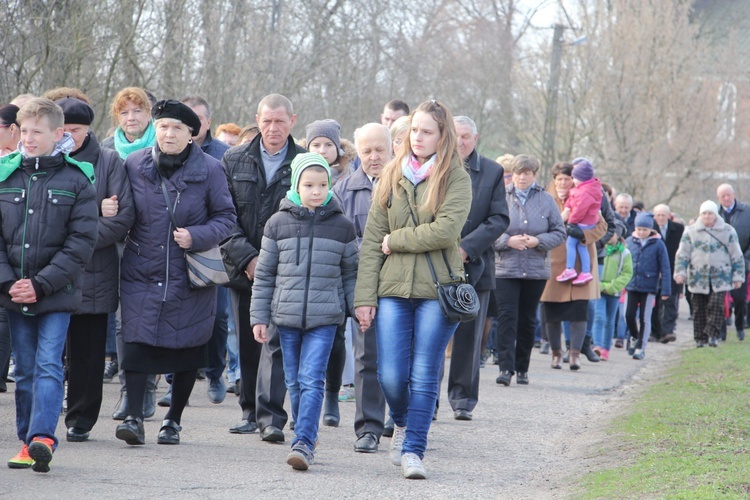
{"type": "Point", "coordinates": [48, 231]}
{"type": "Point", "coordinates": [255, 198]}
{"type": "Point", "coordinates": [306, 269]}
{"type": "Point", "coordinates": [539, 217]}
{"type": "Point", "coordinates": [585, 202]}
{"type": "Point", "coordinates": [710, 258]}
{"type": "Point", "coordinates": [101, 277]}
{"type": "Point", "coordinates": [405, 273]}
{"type": "Point", "coordinates": [158, 306]}
{"type": "Point", "coordinates": [650, 266]}
{"type": "Point", "coordinates": [617, 272]}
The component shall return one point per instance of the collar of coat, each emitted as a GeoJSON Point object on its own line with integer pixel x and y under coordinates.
{"type": "Point", "coordinates": [12, 162]}
{"type": "Point", "coordinates": [359, 181]}
{"type": "Point", "coordinates": [194, 170]}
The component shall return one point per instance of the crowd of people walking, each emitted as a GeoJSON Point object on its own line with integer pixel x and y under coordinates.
{"type": "Point", "coordinates": [333, 255]}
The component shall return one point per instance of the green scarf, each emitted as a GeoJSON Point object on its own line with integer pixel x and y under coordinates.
{"type": "Point", "coordinates": [616, 248]}
{"type": "Point", "coordinates": [124, 147]}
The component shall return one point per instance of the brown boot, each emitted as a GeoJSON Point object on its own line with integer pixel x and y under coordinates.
{"type": "Point", "coordinates": [575, 359]}
{"type": "Point", "coordinates": [557, 359]}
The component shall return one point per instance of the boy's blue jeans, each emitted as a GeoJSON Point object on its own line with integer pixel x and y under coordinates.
{"type": "Point", "coordinates": [604, 320]}
{"type": "Point", "coordinates": [38, 344]}
{"type": "Point", "coordinates": [412, 335]}
{"type": "Point", "coordinates": [305, 354]}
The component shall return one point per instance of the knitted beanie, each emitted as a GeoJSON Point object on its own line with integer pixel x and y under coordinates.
{"type": "Point", "coordinates": [330, 129]}
{"type": "Point", "coordinates": [299, 164]}
{"type": "Point", "coordinates": [644, 219]}
{"type": "Point", "coordinates": [583, 171]}
{"type": "Point", "coordinates": [709, 206]}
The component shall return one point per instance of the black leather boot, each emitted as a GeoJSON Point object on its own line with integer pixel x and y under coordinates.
{"type": "Point", "coordinates": [331, 417]}
{"type": "Point", "coordinates": [149, 404]}
{"type": "Point", "coordinates": [121, 410]}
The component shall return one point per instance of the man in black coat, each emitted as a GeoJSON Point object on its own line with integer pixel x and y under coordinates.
{"type": "Point", "coordinates": [259, 175]}
{"type": "Point", "coordinates": [488, 219]}
{"type": "Point", "coordinates": [737, 214]}
{"type": "Point", "coordinates": [664, 316]}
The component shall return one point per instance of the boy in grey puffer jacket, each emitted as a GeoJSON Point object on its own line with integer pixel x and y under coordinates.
{"type": "Point", "coordinates": [304, 283]}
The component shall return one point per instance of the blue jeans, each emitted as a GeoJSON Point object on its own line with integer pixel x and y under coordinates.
{"type": "Point", "coordinates": [305, 354]}
{"type": "Point", "coordinates": [38, 344]}
{"type": "Point", "coordinates": [574, 247]}
{"type": "Point", "coordinates": [412, 335]}
{"type": "Point", "coordinates": [605, 317]}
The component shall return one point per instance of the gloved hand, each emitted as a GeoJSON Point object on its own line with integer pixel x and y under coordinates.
{"type": "Point", "coordinates": [576, 232]}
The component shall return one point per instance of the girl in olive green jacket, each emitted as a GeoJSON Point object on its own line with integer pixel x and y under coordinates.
{"type": "Point", "coordinates": [419, 208]}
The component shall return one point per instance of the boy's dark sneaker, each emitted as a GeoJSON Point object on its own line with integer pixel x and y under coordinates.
{"type": "Point", "coordinates": [300, 458]}
{"type": "Point", "coordinates": [22, 460]}
{"type": "Point", "coordinates": [40, 450]}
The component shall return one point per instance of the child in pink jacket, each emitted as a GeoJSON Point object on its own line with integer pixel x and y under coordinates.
{"type": "Point", "coordinates": [582, 209]}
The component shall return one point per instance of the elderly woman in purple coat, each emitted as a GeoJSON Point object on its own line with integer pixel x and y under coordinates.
{"type": "Point", "coordinates": [166, 323]}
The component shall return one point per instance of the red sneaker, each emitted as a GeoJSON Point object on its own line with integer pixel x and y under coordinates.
{"type": "Point", "coordinates": [41, 449]}
{"type": "Point", "coordinates": [604, 354]}
{"type": "Point", "coordinates": [22, 460]}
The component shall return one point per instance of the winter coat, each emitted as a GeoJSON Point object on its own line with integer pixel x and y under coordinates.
{"type": "Point", "coordinates": [710, 258]}
{"type": "Point", "coordinates": [740, 221]}
{"type": "Point", "coordinates": [158, 306]}
{"type": "Point", "coordinates": [617, 272]}
{"type": "Point", "coordinates": [306, 268]}
{"type": "Point", "coordinates": [48, 229]}
{"type": "Point", "coordinates": [101, 277]}
{"type": "Point", "coordinates": [556, 291]}
{"type": "Point", "coordinates": [650, 264]}
{"type": "Point", "coordinates": [354, 195]}
{"type": "Point", "coordinates": [255, 198]}
{"type": "Point", "coordinates": [585, 202]}
{"type": "Point", "coordinates": [405, 273]}
{"type": "Point", "coordinates": [488, 219]}
{"type": "Point", "coordinates": [539, 217]}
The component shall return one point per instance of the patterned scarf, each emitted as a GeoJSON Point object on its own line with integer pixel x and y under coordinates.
{"type": "Point", "coordinates": [124, 147]}
{"type": "Point", "coordinates": [415, 172]}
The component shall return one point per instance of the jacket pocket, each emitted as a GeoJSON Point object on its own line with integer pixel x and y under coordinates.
{"type": "Point", "coordinates": [61, 197]}
{"type": "Point", "coordinates": [13, 195]}
{"type": "Point", "coordinates": [245, 188]}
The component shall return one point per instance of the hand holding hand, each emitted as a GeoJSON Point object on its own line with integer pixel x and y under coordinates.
{"type": "Point", "coordinates": [250, 269]}
{"type": "Point", "coordinates": [259, 332]}
{"type": "Point", "coordinates": [22, 292]}
{"type": "Point", "coordinates": [365, 315]}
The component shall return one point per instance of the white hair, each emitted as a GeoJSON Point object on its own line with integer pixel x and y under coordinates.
{"type": "Point", "coordinates": [465, 120]}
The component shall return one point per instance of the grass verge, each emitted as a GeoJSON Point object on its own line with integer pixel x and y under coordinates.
{"type": "Point", "coordinates": [688, 436]}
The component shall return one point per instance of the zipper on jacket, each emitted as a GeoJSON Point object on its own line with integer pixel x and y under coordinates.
{"type": "Point", "coordinates": [59, 192]}
{"type": "Point", "coordinates": [25, 221]}
{"type": "Point", "coordinates": [299, 243]}
{"type": "Point", "coordinates": [309, 265]}
{"type": "Point", "coordinates": [169, 235]}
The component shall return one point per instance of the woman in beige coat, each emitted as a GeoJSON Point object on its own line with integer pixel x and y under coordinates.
{"type": "Point", "coordinates": [563, 301]}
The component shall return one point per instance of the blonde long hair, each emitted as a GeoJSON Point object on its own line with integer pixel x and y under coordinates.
{"type": "Point", "coordinates": [447, 157]}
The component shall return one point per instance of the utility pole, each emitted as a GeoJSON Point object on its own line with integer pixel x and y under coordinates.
{"type": "Point", "coordinates": [550, 121]}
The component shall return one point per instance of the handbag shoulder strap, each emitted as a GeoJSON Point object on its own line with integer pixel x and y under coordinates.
{"type": "Point", "coordinates": [165, 192]}
{"type": "Point", "coordinates": [427, 255]}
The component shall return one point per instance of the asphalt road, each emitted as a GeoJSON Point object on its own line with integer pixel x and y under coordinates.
{"type": "Point", "coordinates": [524, 442]}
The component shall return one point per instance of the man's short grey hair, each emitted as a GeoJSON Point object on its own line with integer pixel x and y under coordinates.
{"type": "Point", "coordinates": [662, 206]}
{"type": "Point", "coordinates": [275, 101]}
{"type": "Point", "coordinates": [624, 197]}
{"type": "Point", "coordinates": [196, 100]}
{"type": "Point", "coordinates": [466, 121]}
{"type": "Point", "coordinates": [374, 126]}
{"type": "Point", "coordinates": [724, 186]}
